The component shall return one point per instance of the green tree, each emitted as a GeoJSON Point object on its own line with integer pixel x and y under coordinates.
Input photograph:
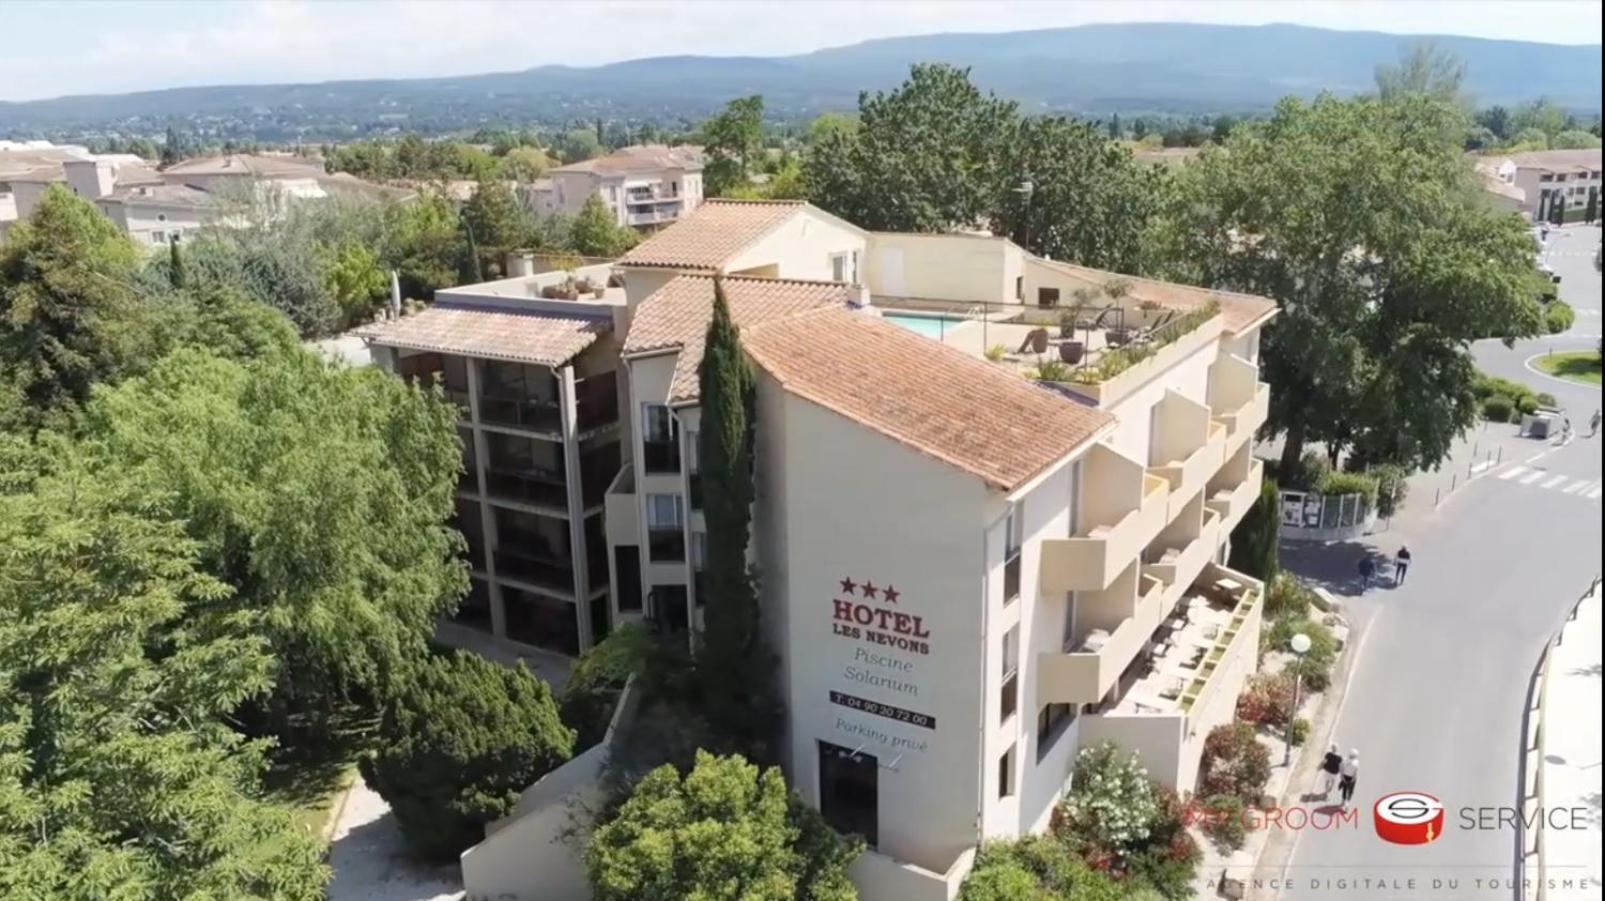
{"type": "Point", "coordinates": [118, 776]}
{"type": "Point", "coordinates": [1541, 114]}
{"type": "Point", "coordinates": [733, 143]}
{"type": "Point", "coordinates": [319, 493]}
{"type": "Point", "coordinates": [1497, 120]}
{"type": "Point", "coordinates": [525, 164]}
{"type": "Point", "coordinates": [1036, 868]}
{"type": "Point", "coordinates": [724, 831]}
{"type": "Point", "coordinates": [924, 158]}
{"type": "Point", "coordinates": [1073, 195]}
{"type": "Point", "coordinates": [494, 222]}
{"type": "Point", "coordinates": [457, 746]}
{"type": "Point", "coordinates": [175, 266]}
{"type": "Point", "coordinates": [1424, 69]}
{"type": "Point", "coordinates": [1575, 139]}
{"type": "Point", "coordinates": [577, 145]}
{"type": "Point", "coordinates": [224, 321]}
{"type": "Point", "coordinates": [1391, 288]}
{"type": "Point", "coordinates": [827, 124]}
{"type": "Point", "coordinates": [734, 667]}
{"type": "Point", "coordinates": [596, 232]}
{"type": "Point", "coordinates": [353, 278]}
{"type": "Point", "coordinates": [69, 312]}
{"type": "Point", "coordinates": [1254, 541]}
{"type": "Point", "coordinates": [424, 243]}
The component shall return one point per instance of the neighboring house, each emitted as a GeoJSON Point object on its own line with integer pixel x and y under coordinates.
{"type": "Point", "coordinates": [645, 186]}
{"type": "Point", "coordinates": [967, 575]}
{"type": "Point", "coordinates": [163, 207]}
{"type": "Point", "coordinates": [1556, 185]}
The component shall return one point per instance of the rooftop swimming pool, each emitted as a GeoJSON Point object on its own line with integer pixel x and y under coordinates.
{"type": "Point", "coordinates": [932, 326]}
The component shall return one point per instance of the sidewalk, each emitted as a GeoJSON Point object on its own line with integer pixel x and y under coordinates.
{"type": "Point", "coordinates": [1568, 865]}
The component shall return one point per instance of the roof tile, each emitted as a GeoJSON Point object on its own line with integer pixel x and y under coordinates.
{"type": "Point", "coordinates": [676, 316]}
{"type": "Point", "coordinates": [938, 400]}
{"type": "Point", "coordinates": [491, 333]}
{"type": "Point", "coordinates": [714, 233]}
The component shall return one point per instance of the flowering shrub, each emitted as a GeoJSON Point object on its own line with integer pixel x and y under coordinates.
{"type": "Point", "coordinates": [1112, 804]}
{"type": "Point", "coordinates": [1234, 763]}
{"type": "Point", "coordinates": [1266, 700]}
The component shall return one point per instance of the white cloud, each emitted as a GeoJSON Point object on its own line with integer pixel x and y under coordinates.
{"type": "Point", "coordinates": [168, 45]}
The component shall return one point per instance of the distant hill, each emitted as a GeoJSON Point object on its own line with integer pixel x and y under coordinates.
{"type": "Point", "coordinates": [1093, 70]}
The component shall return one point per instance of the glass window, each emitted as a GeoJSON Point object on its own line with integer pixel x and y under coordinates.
{"type": "Point", "coordinates": [663, 511]}
{"type": "Point", "coordinates": [1053, 720]}
{"type": "Point", "coordinates": [1009, 696]}
{"type": "Point", "coordinates": [1006, 774]}
{"type": "Point", "coordinates": [657, 422]}
{"type": "Point", "coordinates": [1013, 532]}
{"type": "Point", "coordinates": [544, 622]}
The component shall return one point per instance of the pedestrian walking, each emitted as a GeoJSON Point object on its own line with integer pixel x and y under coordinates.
{"type": "Point", "coordinates": [1401, 564]}
{"type": "Point", "coordinates": [1367, 570]}
{"type": "Point", "coordinates": [1331, 764]}
{"type": "Point", "coordinates": [1565, 428]}
{"type": "Point", "coordinates": [1593, 425]}
{"type": "Point", "coordinates": [1348, 774]}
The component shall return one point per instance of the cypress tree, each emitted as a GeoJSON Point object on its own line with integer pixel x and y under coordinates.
{"type": "Point", "coordinates": [734, 668]}
{"type": "Point", "coordinates": [175, 266]}
{"type": "Point", "coordinates": [1254, 541]}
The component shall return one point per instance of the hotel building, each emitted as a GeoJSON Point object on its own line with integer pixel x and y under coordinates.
{"type": "Point", "coordinates": [967, 574]}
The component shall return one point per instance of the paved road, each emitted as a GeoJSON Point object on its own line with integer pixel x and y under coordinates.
{"type": "Point", "coordinates": [1440, 680]}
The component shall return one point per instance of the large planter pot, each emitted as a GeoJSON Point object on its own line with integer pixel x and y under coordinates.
{"type": "Point", "coordinates": [1071, 352]}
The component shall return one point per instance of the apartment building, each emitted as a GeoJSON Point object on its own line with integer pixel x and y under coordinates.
{"type": "Point", "coordinates": [537, 385]}
{"type": "Point", "coordinates": [968, 575]}
{"type": "Point", "coordinates": [645, 186]}
{"type": "Point", "coordinates": [1556, 185]}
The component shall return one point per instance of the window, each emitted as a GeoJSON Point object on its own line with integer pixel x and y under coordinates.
{"type": "Point", "coordinates": [1011, 554]}
{"type": "Point", "coordinates": [699, 562]}
{"type": "Point", "coordinates": [849, 791]}
{"type": "Point", "coordinates": [1006, 774]}
{"type": "Point", "coordinates": [1047, 297]}
{"type": "Point", "coordinates": [694, 467]}
{"type": "Point", "coordinates": [1019, 288]}
{"type": "Point", "coordinates": [660, 439]}
{"type": "Point", "coordinates": [1075, 497]}
{"type": "Point", "coordinates": [1546, 178]}
{"type": "Point", "coordinates": [1009, 697]}
{"type": "Point", "coordinates": [158, 237]}
{"type": "Point", "coordinates": [161, 217]}
{"type": "Point", "coordinates": [665, 521]}
{"type": "Point", "coordinates": [1053, 720]}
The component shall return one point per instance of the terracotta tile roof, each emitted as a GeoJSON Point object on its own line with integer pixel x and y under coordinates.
{"type": "Point", "coordinates": [490, 332]}
{"type": "Point", "coordinates": [1558, 160]}
{"type": "Point", "coordinates": [936, 399]}
{"type": "Point", "coordinates": [1238, 311]}
{"type": "Point", "coordinates": [715, 232]}
{"type": "Point", "coordinates": [640, 158]}
{"type": "Point", "coordinates": [676, 316]}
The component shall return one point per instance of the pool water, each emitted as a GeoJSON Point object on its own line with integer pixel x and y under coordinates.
{"type": "Point", "coordinates": [929, 326]}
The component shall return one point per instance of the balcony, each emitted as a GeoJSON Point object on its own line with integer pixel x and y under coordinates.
{"type": "Point", "coordinates": [596, 402]}
{"type": "Point", "coordinates": [537, 487]}
{"type": "Point", "coordinates": [621, 514]}
{"type": "Point", "coordinates": [1177, 561]}
{"type": "Point", "coordinates": [1093, 660]}
{"type": "Point", "coordinates": [666, 545]}
{"type": "Point", "coordinates": [1189, 682]}
{"type": "Point", "coordinates": [1238, 399]}
{"type": "Point", "coordinates": [532, 414]}
{"type": "Point", "coordinates": [536, 569]}
{"type": "Point", "coordinates": [1192, 445]}
{"type": "Point", "coordinates": [1231, 500]}
{"type": "Point", "coordinates": [1122, 513]}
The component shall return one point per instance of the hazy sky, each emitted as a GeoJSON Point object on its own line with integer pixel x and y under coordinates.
{"type": "Point", "coordinates": [49, 49]}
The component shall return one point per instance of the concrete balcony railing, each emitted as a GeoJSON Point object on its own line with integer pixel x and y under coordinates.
{"type": "Point", "coordinates": [1232, 501]}
{"type": "Point", "coordinates": [1085, 672]}
{"type": "Point", "coordinates": [1178, 566]}
{"type": "Point", "coordinates": [1192, 445]}
{"type": "Point", "coordinates": [1127, 508]}
{"type": "Point", "coordinates": [621, 514]}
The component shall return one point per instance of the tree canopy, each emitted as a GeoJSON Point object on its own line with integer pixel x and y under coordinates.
{"type": "Point", "coordinates": [723, 831]}
{"type": "Point", "coordinates": [733, 142]}
{"type": "Point", "coordinates": [1381, 256]}
{"type": "Point", "coordinates": [596, 231]}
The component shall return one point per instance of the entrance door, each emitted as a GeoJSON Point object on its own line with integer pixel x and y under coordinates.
{"type": "Point", "coordinates": [849, 791]}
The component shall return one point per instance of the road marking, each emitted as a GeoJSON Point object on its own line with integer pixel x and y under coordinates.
{"type": "Point", "coordinates": [1528, 365]}
{"type": "Point", "coordinates": [1594, 494]}
{"type": "Point", "coordinates": [1512, 472]}
{"type": "Point", "coordinates": [1576, 486]}
{"type": "Point", "coordinates": [1553, 482]}
{"type": "Point", "coordinates": [1532, 477]}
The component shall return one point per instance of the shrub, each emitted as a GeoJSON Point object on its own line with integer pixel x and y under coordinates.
{"type": "Point", "coordinates": [1166, 870]}
{"type": "Point", "coordinates": [1267, 699]}
{"type": "Point", "coordinates": [1051, 371]}
{"type": "Point", "coordinates": [1545, 399]}
{"type": "Point", "coordinates": [459, 742]}
{"type": "Point", "coordinates": [1393, 485]}
{"type": "Point", "coordinates": [1315, 667]}
{"type": "Point", "coordinates": [1498, 408]}
{"type": "Point", "coordinates": [996, 352]}
{"type": "Point", "coordinates": [1335, 483]}
{"type": "Point", "coordinates": [1234, 763]}
{"type": "Point", "coordinates": [724, 830]}
{"type": "Point", "coordinates": [1286, 596]}
{"type": "Point", "coordinates": [1223, 822]}
{"type": "Point", "coordinates": [1299, 732]}
{"type": "Point", "coordinates": [1112, 805]}
{"type": "Point", "coordinates": [1035, 867]}
{"type": "Point", "coordinates": [1558, 316]}
{"type": "Point", "coordinates": [598, 676]}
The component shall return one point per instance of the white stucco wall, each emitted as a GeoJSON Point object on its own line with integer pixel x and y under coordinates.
{"type": "Point", "coordinates": [1189, 378]}
{"type": "Point", "coordinates": [964, 268]}
{"type": "Point", "coordinates": [824, 518]}
{"type": "Point", "coordinates": [801, 247]}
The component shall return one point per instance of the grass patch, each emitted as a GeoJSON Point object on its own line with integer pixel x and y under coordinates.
{"type": "Point", "coordinates": [312, 792]}
{"type": "Point", "coordinates": [1582, 366]}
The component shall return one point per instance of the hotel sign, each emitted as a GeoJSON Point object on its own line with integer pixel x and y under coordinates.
{"type": "Point", "coordinates": [888, 646]}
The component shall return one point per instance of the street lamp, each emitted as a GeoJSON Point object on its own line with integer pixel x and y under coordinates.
{"type": "Point", "coordinates": [1300, 645]}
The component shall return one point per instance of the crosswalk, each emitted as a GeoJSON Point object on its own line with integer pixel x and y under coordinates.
{"type": "Point", "coordinates": [1544, 480]}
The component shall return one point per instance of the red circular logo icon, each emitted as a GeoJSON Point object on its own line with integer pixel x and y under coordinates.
{"type": "Point", "coordinates": [1408, 818]}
